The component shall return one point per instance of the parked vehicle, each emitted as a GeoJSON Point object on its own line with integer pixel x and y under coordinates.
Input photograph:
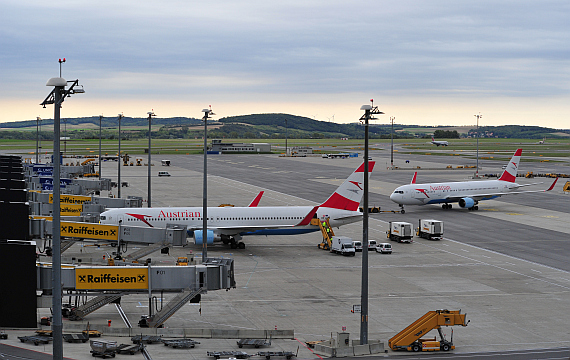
{"type": "Point", "coordinates": [342, 245]}
{"type": "Point", "coordinates": [163, 173]}
{"type": "Point", "coordinates": [357, 245]}
{"type": "Point", "coordinates": [372, 245]}
{"type": "Point", "coordinates": [384, 248]}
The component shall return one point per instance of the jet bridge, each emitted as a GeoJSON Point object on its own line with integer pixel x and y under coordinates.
{"type": "Point", "coordinates": [107, 284]}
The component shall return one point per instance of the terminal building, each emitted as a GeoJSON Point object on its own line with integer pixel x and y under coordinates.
{"type": "Point", "coordinates": [219, 147]}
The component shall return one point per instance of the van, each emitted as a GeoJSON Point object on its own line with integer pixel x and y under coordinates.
{"type": "Point", "coordinates": [384, 248]}
{"type": "Point", "coordinates": [163, 173]}
{"type": "Point", "coordinates": [371, 245]}
{"type": "Point", "coordinates": [357, 245]}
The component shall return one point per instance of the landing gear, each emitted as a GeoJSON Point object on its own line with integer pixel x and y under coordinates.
{"type": "Point", "coordinates": [236, 245]}
{"type": "Point", "coordinates": [446, 206]}
{"type": "Point", "coordinates": [402, 209]}
{"type": "Point", "coordinates": [474, 208]}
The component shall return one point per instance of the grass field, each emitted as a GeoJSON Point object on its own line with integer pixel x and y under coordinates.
{"type": "Point", "coordinates": [497, 149]}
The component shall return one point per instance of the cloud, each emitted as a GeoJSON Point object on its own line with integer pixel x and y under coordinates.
{"type": "Point", "coordinates": [252, 50]}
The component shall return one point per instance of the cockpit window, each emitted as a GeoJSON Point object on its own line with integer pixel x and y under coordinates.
{"type": "Point", "coordinates": [102, 217]}
{"type": "Point", "coordinates": [398, 192]}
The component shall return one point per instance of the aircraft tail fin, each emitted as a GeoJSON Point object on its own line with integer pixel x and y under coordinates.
{"type": "Point", "coordinates": [510, 173]}
{"type": "Point", "coordinates": [255, 201]}
{"type": "Point", "coordinates": [432, 139]}
{"type": "Point", "coordinates": [349, 194]}
{"type": "Point", "coordinates": [414, 178]}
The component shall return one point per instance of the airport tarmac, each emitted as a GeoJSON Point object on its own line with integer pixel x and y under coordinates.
{"type": "Point", "coordinates": [504, 265]}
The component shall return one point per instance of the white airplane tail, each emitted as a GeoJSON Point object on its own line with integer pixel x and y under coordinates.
{"type": "Point", "coordinates": [510, 173]}
{"type": "Point", "coordinates": [349, 193]}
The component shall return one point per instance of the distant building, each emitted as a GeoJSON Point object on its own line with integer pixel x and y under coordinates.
{"type": "Point", "coordinates": [218, 146]}
{"type": "Point", "coordinates": [299, 151]}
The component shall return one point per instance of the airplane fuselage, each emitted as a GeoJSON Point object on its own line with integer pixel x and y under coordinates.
{"type": "Point", "coordinates": [448, 192]}
{"type": "Point", "coordinates": [232, 220]}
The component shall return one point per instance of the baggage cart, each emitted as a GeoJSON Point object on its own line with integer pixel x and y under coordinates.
{"type": "Point", "coordinates": [75, 338]}
{"type": "Point", "coordinates": [103, 348]}
{"type": "Point", "coordinates": [148, 339]}
{"type": "Point", "coordinates": [36, 339]}
{"type": "Point", "coordinates": [269, 354]}
{"type": "Point", "coordinates": [181, 343]}
{"type": "Point", "coordinates": [253, 342]}
{"type": "Point", "coordinates": [228, 354]}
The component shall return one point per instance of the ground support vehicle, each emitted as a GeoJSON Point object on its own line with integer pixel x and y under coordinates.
{"type": "Point", "coordinates": [102, 348]}
{"type": "Point", "coordinates": [410, 338]}
{"type": "Point", "coordinates": [269, 354]}
{"type": "Point", "coordinates": [357, 245]}
{"type": "Point", "coordinates": [372, 245]}
{"type": "Point", "coordinates": [327, 232]}
{"type": "Point", "coordinates": [181, 343]}
{"type": "Point", "coordinates": [400, 231]}
{"type": "Point", "coordinates": [36, 339]}
{"type": "Point", "coordinates": [229, 354]}
{"type": "Point", "coordinates": [3, 335]}
{"type": "Point", "coordinates": [253, 342]}
{"type": "Point", "coordinates": [430, 229]}
{"type": "Point", "coordinates": [342, 245]}
{"type": "Point", "coordinates": [149, 339]}
{"type": "Point", "coordinates": [384, 248]}
{"type": "Point", "coordinates": [130, 349]}
{"type": "Point", "coordinates": [75, 338]}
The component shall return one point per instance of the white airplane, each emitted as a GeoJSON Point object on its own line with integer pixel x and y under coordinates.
{"type": "Point", "coordinates": [230, 224]}
{"type": "Point", "coordinates": [439, 142]}
{"type": "Point", "coordinates": [466, 193]}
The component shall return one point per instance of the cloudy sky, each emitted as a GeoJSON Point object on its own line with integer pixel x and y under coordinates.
{"type": "Point", "coordinates": [423, 62]}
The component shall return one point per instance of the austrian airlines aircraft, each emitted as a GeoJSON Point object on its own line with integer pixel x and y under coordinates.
{"type": "Point", "coordinates": [230, 224]}
{"type": "Point", "coordinates": [466, 193]}
{"type": "Point", "coordinates": [439, 142]}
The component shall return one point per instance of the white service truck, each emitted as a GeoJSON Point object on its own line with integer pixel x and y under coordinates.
{"type": "Point", "coordinates": [430, 229]}
{"type": "Point", "coordinates": [342, 245]}
{"type": "Point", "coordinates": [400, 231]}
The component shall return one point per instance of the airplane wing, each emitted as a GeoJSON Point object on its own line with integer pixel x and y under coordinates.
{"type": "Point", "coordinates": [493, 195]}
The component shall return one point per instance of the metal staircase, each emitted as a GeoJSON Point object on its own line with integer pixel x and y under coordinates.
{"type": "Point", "coordinates": [96, 303]}
{"type": "Point", "coordinates": [172, 307]}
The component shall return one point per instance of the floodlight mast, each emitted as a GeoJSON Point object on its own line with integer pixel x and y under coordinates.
{"type": "Point", "coordinates": [369, 111]}
{"type": "Point", "coordinates": [207, 113]}
{"type": "Point", "coordinates": [119, 117]}
{"type": "Point", "coordinates": [478, 116]}
{"type": "Point", "coordinates": [56, 97]}
{"type": "Point", "coordinates": [150, 115]}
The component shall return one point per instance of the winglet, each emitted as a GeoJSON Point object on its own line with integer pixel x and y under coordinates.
{"type": "Point", "coordinates": [256, 201]}
{"type": "Point", "coordinates": [307, 219]}
{"type": "Point", "coordinates": [552, 186]}
{"type": "Point", "coordinates": [414, 178]}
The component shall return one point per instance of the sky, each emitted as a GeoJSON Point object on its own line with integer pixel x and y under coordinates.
{"type": "Point", "coordinates": [423, 62]}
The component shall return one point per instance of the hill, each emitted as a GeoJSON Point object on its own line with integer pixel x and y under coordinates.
{"type": "Point", "coordinates": [261, 126]}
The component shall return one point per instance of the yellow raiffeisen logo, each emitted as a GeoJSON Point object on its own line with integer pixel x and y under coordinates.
{"type": "Point", "coordinates": [91, 231]}
{"type": "Point", "coordinates": [70, 210]}
{"type": "Point", "coordinates": [70, 199]}
{"type": "Point", "coordinates": [111, 278]}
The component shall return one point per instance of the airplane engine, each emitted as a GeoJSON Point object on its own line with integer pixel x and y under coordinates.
{"type": "Point", "coordinates": [199, 238]}
{"type": "Point", "coordinates": [466, 202]}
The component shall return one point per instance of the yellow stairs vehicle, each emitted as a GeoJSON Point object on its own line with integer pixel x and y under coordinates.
{"type": "Point", "coordinates": [410, 338]}
{"type": "Point", "coordinates": [327, 232]}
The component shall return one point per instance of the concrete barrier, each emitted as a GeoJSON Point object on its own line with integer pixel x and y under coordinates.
{"type": "Point", "coordinates": [183, 332]}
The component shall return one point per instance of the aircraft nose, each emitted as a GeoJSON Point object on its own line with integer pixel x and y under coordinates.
{"type": "Point", "coordinates": [393, 197]}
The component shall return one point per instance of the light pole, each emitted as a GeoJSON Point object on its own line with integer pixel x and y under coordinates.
{"type": "Point", "coordinates": [150, 115]}
{"type": "Point", "coordinates": [478, 116]}
{"type": "Point", "coordinates": [207, 113]}
{"type": "Point", "coordinates": [100, 120]}
{"type": "Point", "coordinates": [56, 97]}
{"type": "Point", "coordinates": [38, 119]}
{"type": "Point", "coordinates": [392, 118]}
{"type": "Point", "coordinates": [369, 111]}
{"type": "Point", "coordinates": [286, 137]}
{"type": "Point", "coordinates": [120, 116]}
